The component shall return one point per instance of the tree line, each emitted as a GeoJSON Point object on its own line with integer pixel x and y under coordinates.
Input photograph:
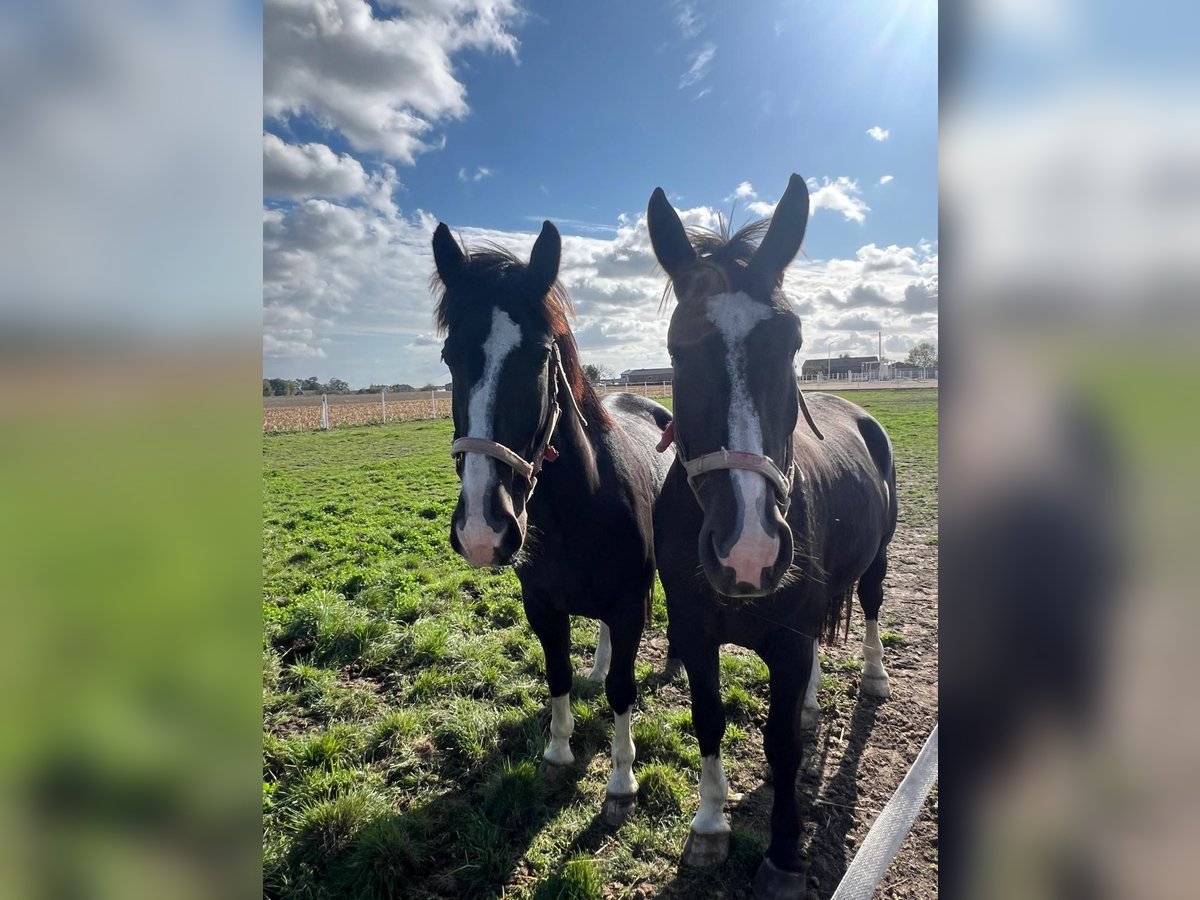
{"type": "Point", "coordinates": [290, 387]}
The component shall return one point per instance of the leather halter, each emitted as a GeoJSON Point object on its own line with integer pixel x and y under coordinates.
{"type": "Point", "coordinates": [528, 469]}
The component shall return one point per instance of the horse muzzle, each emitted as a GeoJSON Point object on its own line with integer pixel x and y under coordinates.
{"type": "Point", "coordinates": [488, 537]}
{"type": "Point", "coordinates": [749, 561]}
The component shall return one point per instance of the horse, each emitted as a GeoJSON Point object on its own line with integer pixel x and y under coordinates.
{"type": "Point", "coordinates": [763, 525]}
{"type": "Point", "coordinates": [566, 498]}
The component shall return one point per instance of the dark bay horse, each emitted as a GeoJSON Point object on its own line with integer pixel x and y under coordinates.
{"type": "Point", "coordinates": [764, 524]}
{"type": "Point", "coordinates": [525, 417]}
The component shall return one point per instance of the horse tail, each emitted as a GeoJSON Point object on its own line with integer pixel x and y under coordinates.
{"type": "Point", "coordinates": [837, 618]}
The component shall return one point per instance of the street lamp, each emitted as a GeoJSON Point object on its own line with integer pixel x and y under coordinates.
{"type": "Point", "coordinates": [828, 359]}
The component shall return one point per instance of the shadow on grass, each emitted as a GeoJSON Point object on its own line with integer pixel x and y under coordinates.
{"type": "Point", "coordinates": [828, 809]}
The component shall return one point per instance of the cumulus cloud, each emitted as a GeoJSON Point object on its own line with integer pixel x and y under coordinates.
{"type": "Point", "coordinates": [347, 284]}
{"type": "Point", "coordinates": [842, 195]}
{"type": "Point", "coordinates": [478, 175]}
{"type": "Point", "coordinates": [876, 259]}
{"type": "Point", "coordinates": [701, 60]}
{"type": "Point", "coordinates": [384, 83]}
{"type": "Point", "coordinates": [744, 191]}
{"type": "Point", "coordinates": [295, 171]}
{"type": "Point", "coordinates": [879, 134]}
{"type": "Point", "coordinates": [885, 179]}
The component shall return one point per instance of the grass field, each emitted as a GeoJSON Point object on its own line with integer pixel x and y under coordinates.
{"type": "Point", "coordinates": [405, 710]}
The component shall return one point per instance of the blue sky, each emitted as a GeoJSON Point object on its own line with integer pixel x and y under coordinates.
{"type": "Point", "coordinates": [380, 119]}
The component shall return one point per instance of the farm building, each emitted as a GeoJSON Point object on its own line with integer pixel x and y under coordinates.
{"type": "Point", "coordinates": [840, 367]}
{"type": "Point", "coordinates": [648, 376]}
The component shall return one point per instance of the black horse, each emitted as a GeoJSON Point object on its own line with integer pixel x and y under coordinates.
{"type": "Point", "coordinates": [524, 417]}
{"type": "Point", "coordinates": [762, 527]}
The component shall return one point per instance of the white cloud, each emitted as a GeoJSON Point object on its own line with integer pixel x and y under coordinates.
{"type": "Point", "coordinates": [296, 171]}
{"type": "Point", "coordinates": [885, 179]}
{"type": "Point", "coordinates": [346, 292]}
{"type": "Point", "coordinates": [701, 60]}
{"type": "Point", "coordinates": [478, 175]}
{"type": "Point", "coordinates": [842, 195]}
{"type": "Point", "coordinates": [384, 83]}
{"type": "Point", "coordinates": [744, 191]}
{"type": "Point", "coordinates": [879, 134]}
{"type": "Point", "coordinates": [689, 20]}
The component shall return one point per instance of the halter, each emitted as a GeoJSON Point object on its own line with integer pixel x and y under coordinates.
{"type": "Point", "coordinates": [724, 460]}
{"type": "Point", "coordinates": [528, 469]}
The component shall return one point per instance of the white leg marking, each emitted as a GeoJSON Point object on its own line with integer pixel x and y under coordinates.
{"type": "Point", "coordinates": [714, 789]}
{"type": "Point", "coordinates": [476, 537]}
{"type": "Point", "coordinates": [874, 677]}
{"type": "Point", "coordinates": [872, 649]}
{"type": "Point", "coordinates": [811, 711]}
{"type": "Point", "coordinates": [622, 783]}
{"type": "Point", "coordinates": [603, 655]}
{"type": "Point", "coordinates": [735, 316]}
{"type": "Point", "coordinates": [562, 723]}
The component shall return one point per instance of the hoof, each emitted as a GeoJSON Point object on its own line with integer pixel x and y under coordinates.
{"type": "Point", "coordinates": [556, 776]}
{"type": "Point", "coordinates": [876, 686]}
{"type": "Point", "coordinates": [673, 668]}
{"type": "Point", "coordinates": [618, 808]}
{"type": "Point", "coordinates": [772, 883]}
{"type": "Point", "coordinates": [810, 718]}
{"type": "Point", "coordinates": [701, 850]}
{"type": "Point", "coordinates": [596, 677]}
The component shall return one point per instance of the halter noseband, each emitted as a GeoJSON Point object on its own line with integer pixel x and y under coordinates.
{"type": "Point", "coordinates": [722, 460]}
{"type": "Point", "coordinates": [528, 469]}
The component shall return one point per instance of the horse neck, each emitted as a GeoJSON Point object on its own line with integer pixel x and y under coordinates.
{"type": "Point", "coordinates": [573, 475]}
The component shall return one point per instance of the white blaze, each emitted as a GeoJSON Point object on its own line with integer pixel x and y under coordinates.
{"type": "Point", "coordinates": [735, 316]}
{"type": "Point", "coordinates": [479, 540]}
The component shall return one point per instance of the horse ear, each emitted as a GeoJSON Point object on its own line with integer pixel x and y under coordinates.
{"type": "Point", "coordinates": [786, 232]}
{"type": "Point", "coordinates": [447, 255]}
{"type": "Point", "coordinates": [546, 255]}
{"type": "Point", "coordinates": [670, 241]}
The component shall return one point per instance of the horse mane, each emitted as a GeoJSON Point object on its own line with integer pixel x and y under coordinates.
{"type": "Point", "coordinates": [491, 263]}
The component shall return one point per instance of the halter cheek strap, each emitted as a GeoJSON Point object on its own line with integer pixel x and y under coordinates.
{"type": "Point", "coordinates": [528, 469]}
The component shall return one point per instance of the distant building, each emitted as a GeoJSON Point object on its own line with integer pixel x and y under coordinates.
{"type": "Point", "coordinates": [648, 376]}
{"type": "Point", "coordinates": [841, 367]}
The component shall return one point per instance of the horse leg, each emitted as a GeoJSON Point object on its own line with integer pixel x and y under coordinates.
{"type": "Point", "coordinates": [621, 688]}
{"type": "Point", "coordinates": [708, 840]}
{"type": "Point", "coordinates": [870, 597]}
{"type": "Point", "coordinates": [780, 875]}
{"type": "Point", "coordinates": [810, 713]}
{"type": "Point", "coordinates": [674, 662]}
{"type": "Point", "coordinates": [553, 629]}
{"type": "Point", "coordinates": [603, 658]}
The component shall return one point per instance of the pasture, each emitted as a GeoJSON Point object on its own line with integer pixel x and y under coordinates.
{"type": "Point", "coordinates": [405, 708]}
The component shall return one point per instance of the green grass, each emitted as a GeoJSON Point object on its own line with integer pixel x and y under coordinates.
{"type": "Point", "coordinates": [405, 704]}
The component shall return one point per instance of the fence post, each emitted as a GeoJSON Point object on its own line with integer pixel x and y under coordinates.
{"type": "Point", "coordinates": [324, 412]}
{"type": "Point", "coordinates": [383, 403]}
{"type": "Point", "coordinates": [433, 397]}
